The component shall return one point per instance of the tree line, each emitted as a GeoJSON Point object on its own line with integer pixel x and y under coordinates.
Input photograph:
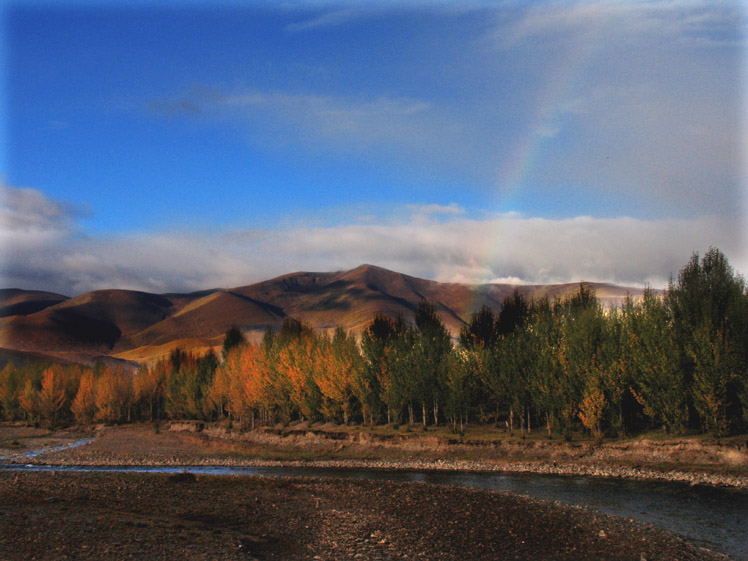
{"type": "Point", "coordinates": [676, 360]}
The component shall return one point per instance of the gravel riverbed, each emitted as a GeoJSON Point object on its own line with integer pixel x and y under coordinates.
{"type": "Point", "coordinates": [60, 515]}
{"type": "Point", "coordinates": [56, 515]}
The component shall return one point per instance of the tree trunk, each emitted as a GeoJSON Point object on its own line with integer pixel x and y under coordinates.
{"type": "Point", "coordinates": [529, 430]}
{"type": "Point", "coordinates": [436, 414]}
{"type": "Point", "coordinates": [511, 420]}
{"type": "Point", "coordinates": [423, 411]}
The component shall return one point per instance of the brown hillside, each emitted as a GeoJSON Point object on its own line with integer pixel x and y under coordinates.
{"type": "Point", "coordinates": [17, 302]}
{"type": "Point", "coordinates": [210, 317]}
{"type": "Point", "coordinates": [97, 321]}
{"type": "Point", "coordinates": [140, 326]}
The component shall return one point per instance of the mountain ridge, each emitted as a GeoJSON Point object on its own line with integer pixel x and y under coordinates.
{"type": "Point", "coordinates": [141, 326]}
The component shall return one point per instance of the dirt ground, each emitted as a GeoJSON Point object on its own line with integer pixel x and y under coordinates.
{"type": "Point", "coordinates": [686, 460]}
{"type": "Point", "coordinates": [56, 515]}
{"type": "Point", "coordinates": [111, 516]}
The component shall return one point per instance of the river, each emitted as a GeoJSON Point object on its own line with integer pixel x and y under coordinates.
{"type": "Point", "coordinates": [712, 517]}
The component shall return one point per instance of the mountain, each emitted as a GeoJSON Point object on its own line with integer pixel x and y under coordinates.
{"type": "Point", "coordinates": [17, 302]}
{"type": "Point", "coordinates": [138, 326]}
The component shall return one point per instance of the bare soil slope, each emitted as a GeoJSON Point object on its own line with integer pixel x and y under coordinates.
{"type": "Point", "coordinates": [17, 302]}
{"type": "Point", "coordinates": [139, 325]}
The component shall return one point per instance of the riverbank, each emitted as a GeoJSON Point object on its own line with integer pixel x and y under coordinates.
{"type": "Point", "coordinates": [56, 515]}
{"type": "Point", "coordinates": [693, 461]}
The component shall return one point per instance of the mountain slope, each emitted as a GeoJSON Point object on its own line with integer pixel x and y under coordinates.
{"type": "Point", "coordinates": [17, 302]}
{"type": "Point", "coordinates": [140, 326]}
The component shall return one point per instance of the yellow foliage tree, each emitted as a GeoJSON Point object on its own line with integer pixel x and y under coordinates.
{"type": "Point", "coordinates": [52, 397]}
{"type": "Point", "coordinates": [337, 365]}
{"type": "Point", "coordinates": [113, 393]}
{"type": "Point", "coordinates": [84, 404]}
{"type": "Point", "coordinates": [592, 407]}
{"type": "Point", "coordinates": [149, 387]}
{"type": "Point", "coordinates": [29, 401]}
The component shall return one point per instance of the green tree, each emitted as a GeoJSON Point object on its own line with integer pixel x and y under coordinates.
{"type": "Point", "coordinates": [431, 351]}
{"type": "Point", "coordinates": [708, 302]}
{"type": "Point", "coordinates": [514, 312]}
{"type": "Point", "coordinates": [545, 337]}
{"type": "Point", "coordinates": [374, 385]}
{"type": "Point", "coordinates": [233, 338]}
{"type": "Point", "coordinates": [480, 331]}
{"type": "Point", "coordinates": [188, 385]}
{"type": "Point", "coordinates": [661, 386]}
{"type": "Point", "coordinates": [714, 372]}
{"type": "Point", "coordinates": [458, 384]}
{"type": "Point", "coordinates": [12, 382]}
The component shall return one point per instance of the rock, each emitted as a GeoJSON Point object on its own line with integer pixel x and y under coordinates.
{"type": "Point", "coordinates": [183, 477]}
{"type": "Point", "coordinates": [602, 534]}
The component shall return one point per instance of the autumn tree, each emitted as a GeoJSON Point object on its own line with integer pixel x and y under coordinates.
{"type": "Point", "coordinates": [53, 399]}
{"type": "Point", "coordinates": [339, 364]}
{"type": "Point", "coordinates": [84, 404]}
{"type": "Point", "coordinates": [297, 360]}
{"type": "Point", "coordinates": [113, 396]}
{"type": "Point", "coordinates": [149, 388]}
{"type": "Point", "coordinates": [28, 399]}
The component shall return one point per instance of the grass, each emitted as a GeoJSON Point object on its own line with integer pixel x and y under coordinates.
{"type": "Point", "coordinates": [490, 444]}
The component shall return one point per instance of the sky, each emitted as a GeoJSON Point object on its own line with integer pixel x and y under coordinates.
{"type": "Point", "coordinates": [180, 146]}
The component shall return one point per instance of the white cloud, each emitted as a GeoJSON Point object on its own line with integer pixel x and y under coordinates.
{"type": "Point", "coordinates": [25, 209]}
{"type": "Point", "coordinates": [455, 248]}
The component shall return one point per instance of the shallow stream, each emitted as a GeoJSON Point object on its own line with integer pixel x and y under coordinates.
{"type": "Point", "coordinates": [712, 517]}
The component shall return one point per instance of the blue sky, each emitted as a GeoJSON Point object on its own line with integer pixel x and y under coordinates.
{"type": "Point", "coordinates": [198, 145]}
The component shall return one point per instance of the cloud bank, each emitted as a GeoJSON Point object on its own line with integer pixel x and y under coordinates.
{"type": "Point", "coordinates": [43, 249]}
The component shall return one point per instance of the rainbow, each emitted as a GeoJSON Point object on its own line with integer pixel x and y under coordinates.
{"type": "Point", "coordinates": [554, 104]}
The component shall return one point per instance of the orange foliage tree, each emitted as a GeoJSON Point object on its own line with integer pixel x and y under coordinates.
{"type": "Point", "coordinates": [296, 363]}
{"type": "Point", "coordinates": [84, 404]}
{"type": "Point", "coordinates": [149, 388]}
{"type": "Point", "coordinates": [113, 393]}
{"type": "Point", "coordinates": [338, 364]}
